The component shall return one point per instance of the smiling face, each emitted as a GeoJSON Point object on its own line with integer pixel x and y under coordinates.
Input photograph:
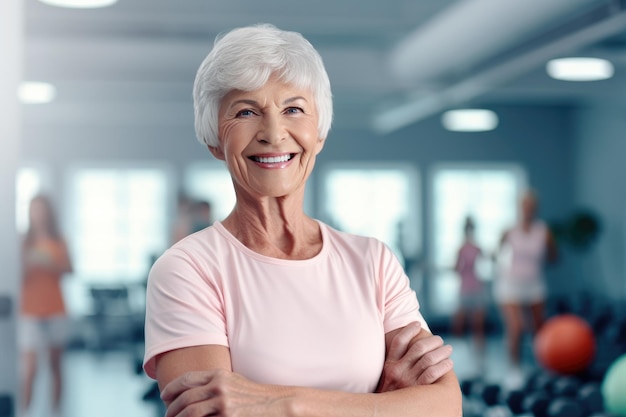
{"type": "Point", "coordinates": [269, 138]}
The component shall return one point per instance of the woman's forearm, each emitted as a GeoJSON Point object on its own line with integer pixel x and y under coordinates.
{"type": "Point", "coordinates": [225, 393]}
{"type": "Point", "coordinates": [441, 399]}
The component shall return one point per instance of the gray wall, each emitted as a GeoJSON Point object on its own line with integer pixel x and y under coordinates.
{"type": "Point", "coordinates": [600, 158]}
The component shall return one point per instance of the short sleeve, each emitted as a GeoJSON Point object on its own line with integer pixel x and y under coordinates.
{"type": "Point", "coordinates": [184, 307]}
{"type": "Point", "coordinates": [400, 304]}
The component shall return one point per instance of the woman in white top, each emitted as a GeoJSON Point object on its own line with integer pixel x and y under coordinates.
{"type": "Point", "coordinates": [520, 288]}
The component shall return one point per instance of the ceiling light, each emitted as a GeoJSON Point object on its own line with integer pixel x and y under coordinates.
{"type": "Point", "coordinates": [469, 120]}
{"type": "Point", "coordinates": [580, 69]}
{"type": "Point", "coordinates": [80, 4]}
{"type": "Point", "coordinates": [30, 92]}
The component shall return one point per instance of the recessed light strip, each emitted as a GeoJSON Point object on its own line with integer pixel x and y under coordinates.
{"type": "Point", "coordinates": [469, 120]}
{"type": "Point", "coordinates": [33, 92]}
{"type": "Point", "coordinates": [79, 4]}
{"type": "Point", "coordinates": [580, 69]}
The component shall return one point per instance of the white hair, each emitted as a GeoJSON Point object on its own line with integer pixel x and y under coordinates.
{"type": "Point", "coordinates": [244, 59]}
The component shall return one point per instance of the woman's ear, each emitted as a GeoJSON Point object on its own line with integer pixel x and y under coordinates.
{"type": "Point", "coordinates": [217, 152]}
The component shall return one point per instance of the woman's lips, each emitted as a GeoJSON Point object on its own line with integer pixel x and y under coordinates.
{"type": "Point", "coordinates": [273, 161]}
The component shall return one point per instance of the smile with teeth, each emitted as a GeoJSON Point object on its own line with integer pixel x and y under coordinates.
{"type": "Point", "coordinates": [272, 159]}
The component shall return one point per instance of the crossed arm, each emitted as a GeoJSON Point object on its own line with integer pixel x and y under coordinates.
{"type": "Point", "coordinates": [417, 379]}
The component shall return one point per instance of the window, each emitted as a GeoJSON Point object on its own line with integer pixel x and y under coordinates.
{"type": "Point", "coordinates": [487, 193]}
{"type": "Point", "coordinates": [118, 222]}
{"type": "Point", "coordinates": [375, 200]}
{"type": "Point", "coordinates": [211, 182]}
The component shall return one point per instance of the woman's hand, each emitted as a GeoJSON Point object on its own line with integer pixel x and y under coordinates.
{"type": "Point", "coordinates": [222, 393]}
{"type": "Point", "coordinates": [414, 357]}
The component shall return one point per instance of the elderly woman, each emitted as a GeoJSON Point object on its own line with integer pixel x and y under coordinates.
{"type": "Point", "coordinates": [270, 312]}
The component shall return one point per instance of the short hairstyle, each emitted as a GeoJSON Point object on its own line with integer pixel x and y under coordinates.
{"type": "Point", "coordinates": [244, 59]}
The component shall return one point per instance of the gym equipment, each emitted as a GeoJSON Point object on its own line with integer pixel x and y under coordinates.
{"type": "Point", "coordinates": [565, 386]}
{"type": "Point", "coordinates": [545, 394]}
{"type": "Point", "coordinates": [497, 411]}
{"type": "Point", "coordinates": [614, 387]}
{"type": "Point", "coordinates": [536, 403]}
{"type": "Point", "coordinates": [540, 380]}
{"type": "Point", "coordinates": [564, 407]}
{"type": "Point", "coordinates": [590, 397]}
{"type": "Point", "coordinates": [514, 400]}
{"type": "Point", "coordinates": [478, 389]}
{"type": "Point", "coordinates": [491, 394]}
{"type": "Point", "coordinates": [565, 344]}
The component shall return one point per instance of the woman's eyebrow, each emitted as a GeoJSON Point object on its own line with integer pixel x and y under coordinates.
{"type": "Point", "coordinates": [244, 101]}
{"type": "Point", "coordinates": [292, 99]}
{"type": "Point", "coordinates": [251, 102]}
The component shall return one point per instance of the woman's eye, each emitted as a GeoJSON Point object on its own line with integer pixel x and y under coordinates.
{"type": "Point", "coordinates": [245, 113]}
{"type": "Point", "coordinates": [293, 110]}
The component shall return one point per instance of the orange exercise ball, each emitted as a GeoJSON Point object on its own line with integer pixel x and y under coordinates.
{"type": "Point", "coordinates": [565, 344]}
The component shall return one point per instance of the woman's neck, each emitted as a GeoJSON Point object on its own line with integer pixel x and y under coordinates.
{"type": "Point", "coordinates": [275, 227]}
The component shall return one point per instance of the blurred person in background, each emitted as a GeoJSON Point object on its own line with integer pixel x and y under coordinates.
{"type": "Point", "coordinates": [520, 289]}
{"type": "Point", "coordinates": [472, 291]}
{"type": "Point", "coordinates": [43, 326]}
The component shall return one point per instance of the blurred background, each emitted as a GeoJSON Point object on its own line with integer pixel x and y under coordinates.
{"type": "Point", "coordinates": [106, 129]}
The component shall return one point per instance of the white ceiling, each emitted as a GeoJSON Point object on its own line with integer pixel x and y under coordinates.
{"type": "Point", "coordinates": [134, 63]}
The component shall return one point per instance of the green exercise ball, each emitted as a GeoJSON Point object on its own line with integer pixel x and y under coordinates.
{"type": "Point", "coordinates": [614, 387]}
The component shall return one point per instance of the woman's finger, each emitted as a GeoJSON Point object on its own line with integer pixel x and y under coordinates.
{"type": "Point", "coordinates": [184, 382]}
{"type": "Point", "coordinates": [431, 359]}
{"type": "Point", "coordinates": [401, 342]}
{"type": "Point", "coordinates": [199, 409]}
{"type": "Point", "coordinates": [434, 372]}
{"type": "Point", "coordinates": [420, 347]}
{"type": "Point", "coordinates": [191, 399]}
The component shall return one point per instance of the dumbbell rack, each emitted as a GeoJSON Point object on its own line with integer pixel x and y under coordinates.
{"type": "Point", "coordinates": [543, 394]}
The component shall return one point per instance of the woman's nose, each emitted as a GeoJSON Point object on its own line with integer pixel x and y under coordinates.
{"type": "Point", "coordinates": [272, 131]}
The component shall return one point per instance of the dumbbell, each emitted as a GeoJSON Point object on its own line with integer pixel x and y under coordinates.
{"type": "Point", "coordinates": [540, 380]}
{"type": "Point", "coordinates": [587, 401]}
{"type": "Point", "coordinates": [479, 390]}
{"type": "Point", "coordinates": [472, 405]}
{"type": "Point", "coordinates": [536, 403]}
{"type": "Point", "coordinates": [564, 407]}
{"type": "Point", "coordinates": [590, 398]}
{"type": "Point", "coordinates": [515, 401]}
{"type": "Point", "coordinates": [565, 386]}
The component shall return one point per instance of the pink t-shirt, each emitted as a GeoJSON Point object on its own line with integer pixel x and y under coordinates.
{"type": "Point", "coordinates": [317, 323]}
{"type": "Point", "coordinates": [466, 267]}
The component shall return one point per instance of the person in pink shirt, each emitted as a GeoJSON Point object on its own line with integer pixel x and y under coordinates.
{"type": "Point", "coordinates": [472, 291]}
{"type": "Point", "coordinates": [269, 312]}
